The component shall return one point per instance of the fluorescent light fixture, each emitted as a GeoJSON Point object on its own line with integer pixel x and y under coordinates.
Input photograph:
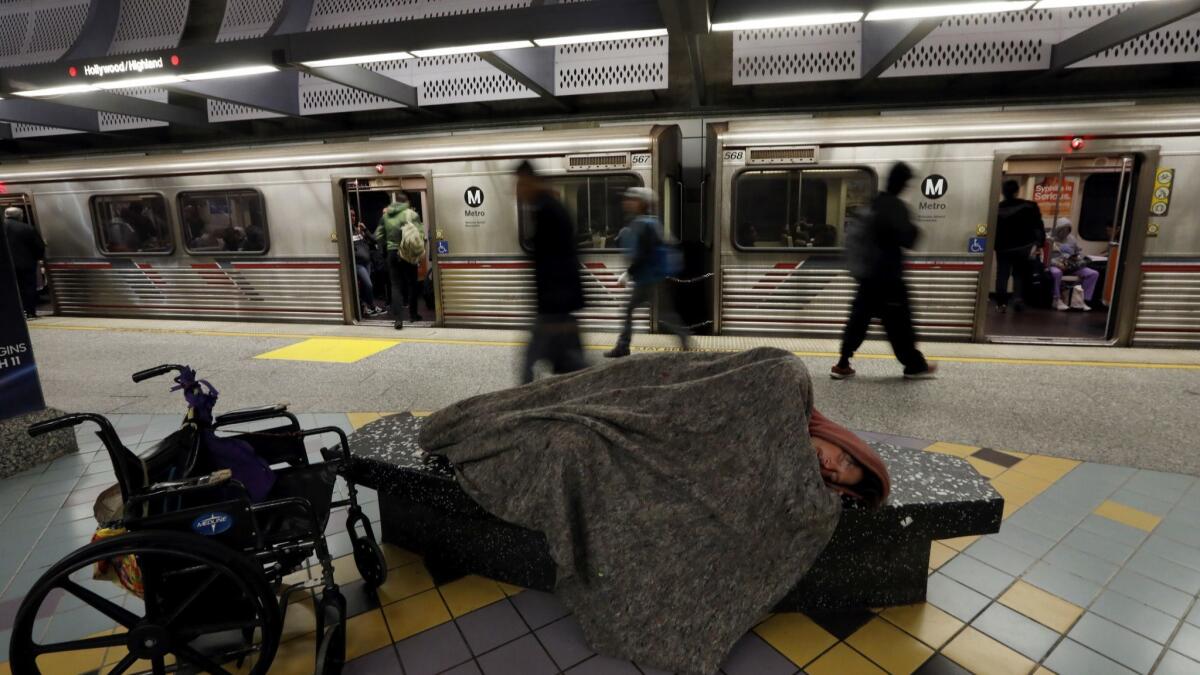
{"type": "Point", "coordinates": [952, 9]}
{"type": "Point", "coordinates": [471, 49]}
{"type": "Point", "coordinates": [229, 72]}
{"type": "Point", "coordinates": [1060, 4]}
{"type": "Point", "coordinates": [355, 60]}
{"type": "Point", "coordinates": [789, 21]}
{"type": "Point", "coordinates": [599, 37]}
{"type": "Point", "coordinates": [153, 81]}
{"type": "Point", "coordinates": [56, 91]}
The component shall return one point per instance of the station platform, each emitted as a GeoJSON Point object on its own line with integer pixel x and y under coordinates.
{"type": "Point", "coordinates": [1096, 568]}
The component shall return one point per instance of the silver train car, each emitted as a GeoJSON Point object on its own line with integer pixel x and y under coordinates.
{"type": "Point", "coordinates": [1123, 176]}
{"type": "Point", "coordinates": [265, 233]}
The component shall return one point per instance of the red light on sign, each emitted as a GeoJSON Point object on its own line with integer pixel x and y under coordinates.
{"type": "Point", "coordinates": [174, 59]}
{"type": "Point", "coordinates": [378, 168]}
{"type": "Point", "coordinates": [1077, 143]}
{"type": "Point", "coordinates": [73, 71]}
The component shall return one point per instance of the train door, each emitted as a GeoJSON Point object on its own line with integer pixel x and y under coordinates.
{"type": "Point", "coordinates": [366, 200]}
{"type": "Point", "coordinates": [23, 202]}
{"type": "Point", "coordinates": [1067, 290]}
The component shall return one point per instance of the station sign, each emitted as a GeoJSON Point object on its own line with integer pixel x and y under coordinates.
{"type": "Point", "coordinates": [1160, 200]}
{"type": "Point", "coordinates": [136, 66]}
{"type": "Point", "coordinates": [20, 390]}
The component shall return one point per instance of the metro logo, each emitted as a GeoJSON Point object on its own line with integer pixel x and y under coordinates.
{"type": "Point", "coordinates": [934, 186]}
{"type": "Point", "coordinates": [473, 197]}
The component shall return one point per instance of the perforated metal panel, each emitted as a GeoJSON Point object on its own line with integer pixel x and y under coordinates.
{"type": "Point", "coordinates": [978, 43]}
{"type": "Point", "coordinates": [114, 122]}
{"type": "Point", "coordinates": [463, 78]}
{"type": "Point", "coordinates": [801, 54]}
{"type": "Point", "coordinates": [223, 111]}
{"type": "Point", "coordinates": [1174, 43]}
{"type": "Point", "coordinates": [34, 131]}
{"type": "Point", "coordinates": [147, 25]}
{"type": "Point", "coordinates": [39, 32]}
{"type": "Point", "coordinates": [319, 96]}
{"type": "Point", "coordinates": [246, 19]}
{"type": "Point", "coordinates": [611, 66]}
{"type": "Point", "coordinates": [342, 13]}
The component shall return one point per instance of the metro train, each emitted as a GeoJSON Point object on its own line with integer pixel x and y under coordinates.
{"type": "Point", "coordinates": [264, 233]}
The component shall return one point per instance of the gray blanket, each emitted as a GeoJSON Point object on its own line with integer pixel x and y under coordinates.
{"type": "Point", "coordinates": [679, 493]}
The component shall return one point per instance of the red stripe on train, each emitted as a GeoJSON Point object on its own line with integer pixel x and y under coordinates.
{"type": "Point", "coordinates": [1171, 267]}
{"type": "Point", "coordinates": [477, 266]}
{"type": "Point", "coordinates": [286, 266]}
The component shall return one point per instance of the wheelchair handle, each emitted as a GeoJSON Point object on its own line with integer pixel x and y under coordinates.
{"type": "Point", "coordinates": [66, 421]}
{"type": "Point", "coordinates": [156, 371]}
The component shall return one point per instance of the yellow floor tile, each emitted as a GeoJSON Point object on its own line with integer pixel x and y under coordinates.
{"type": "Point", "coordinates": [330, 350]}
{"type": "Point", "coordinates": [982, 655]}
{"type": "Point", "coordinates": [924, 622]}
{"type": "Point", "coordinates": [301, 619]}
{"type": "Point", "coordinates": [84, 661]}
{"type": "Point", "coordinates": [398, 557]}
{"type": "Point", "coordinates": [1042, 670]}
{"type": "Point", "coordinates": [509, 589]}
{"type": "Point", "coordinates": [940, 554]}
{"type": "Point", "coordinates": [360, 419]}
{"type": "Point", "coordinates": [985, 468]}
{"type": "Point", "coordinates": [795, 636]}
{"type": "Point", "coordinates": [404, 582]}
{"type": "Point", "coordinates": [1046, 468]}
{"type": "Point", "coordinates": [413, 615]}
{"type": "Point", "coordinates": [956, 449]}
{"type": "Point", "coordinates": [1011, 491]}
{"type": "Point", "coordinates": [300, 654]}
{"type": "Point", "coordinates": [842, 660]}
{"type": "Point", "coordinates": [422, 413]}
{"type": "Point", "coordinates": [5, 669]}
{"type": "Point", "coordinates": [1045, 608]}
{"type": "Point", "coordinates": [344, 570]}
{"type": "Point", "coordinates": [364, 634]}
{"type": "Point", "coordinates": [470, 593]}
{"type": "Point", "coordinates": [1014, 453]}
{"type": "Point", "coordinates": [898, 652]}
{"type": "Point", "coordinates": [1023, 481]}
{"type": "Point", "coordinates": [959, 543]}
{"type": "Point", "coordinates": [1128, 515]}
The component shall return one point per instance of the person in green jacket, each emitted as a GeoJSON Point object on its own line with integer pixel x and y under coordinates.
{"type": "Point", "coordinates": [401, 229]}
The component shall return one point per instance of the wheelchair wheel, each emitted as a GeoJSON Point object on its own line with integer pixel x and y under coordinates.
{"type": "Point", "coordinates": [200, 601]}
{"type": "Point", "coordinates": [368, 557]}
{"type": "Point", "coordinates": [331, 626]}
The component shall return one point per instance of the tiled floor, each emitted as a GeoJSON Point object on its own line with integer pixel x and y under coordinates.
{"type": "Point", "coordinates": [1095, 570]}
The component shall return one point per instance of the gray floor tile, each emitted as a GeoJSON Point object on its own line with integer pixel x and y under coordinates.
{"type": "Point", "coordinates": [1165, 571]}
{"type": "Point", "coordinates": [1000, 556]}
{"type": "Point", "coordinates": [1147, 591]}
{"type": "Point", "coordinates": [520, 657]}
{"type": "Point", "coordinates": [1072, 504]}
{"type": "Point", "coordinates": [1082, 564]}
{"type": "Point", "coordinates": [1015, 630]}
{"type": "Point", "coordinates": [1184, 514]}
{"type": "Point", "coordinates": [1187, 641]}
{"type": "Point", "coordinates": [1176, 552]}
{"type": "Point", "coordinates": [752, 656]}
{"type": "Point", "coordinates": [433, 651]}
{"type": "Point", "coordinates": [1167, 486]}
{"type": "Point", "coordinates": [1062, 583]}
{"type": "Point", "coordinates": [1021, 539]}
{"type": "Point", "coordinates": [604, 665]}
{"type": "Point", "coordinates": [565, 642]}
{"type": "Point", "coordinates": [539, 608]}
{"type": "Point", "coordinates": [1039, 522]}
{"type": "Point", "coordinates": [1143, 502]}
{"type": "Point", "coordinates": [977, 575]}
{"type": "Point", "coordinates": [1070, 657]}
{"type": "Point", "coordinates": [1099, 545]}
{"type": "Point", "coordinates": [1174, 663]}
{"type": "Point", "coordinates": [1181, 532]}
{"type": "Point", "coordinates": [953, 598]}
{"type": "Point", "coordinates": [1091, 472]}
{"type": "Point", "coordinates": [1119, 644]}
{"type": "Point", "coordinates": [1135, 616]}
{"type": "Point", "coordinates": [468, 668]}
{"type": "Point", "coordinates": [379, 661]}
{"type": "Point", "coordinates": [1194, 616]}
{"type": "Point", "coordinates": [489, 627]}
{"type": "Point", "coordinates": [32, 505]}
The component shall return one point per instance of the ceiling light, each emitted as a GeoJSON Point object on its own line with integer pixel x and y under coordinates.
{"type": "Point", "coordinates": [953, 9]}
{"type": "Point", "coordinates": [229, 72]}
{"type": "Point", "coordinates": [1059, 4]}
{"type": "Point", "coordinates": [355, 60]}
{"type": "Point", "coordinates": [56, 91]}
{"type": "Point", "coordinates": [470, 49]}
{"type": "Point", "coordinates": [139, 82]}
{"type": "Point", "coordinates": [789, 21]}
{"type": "Point", "coordinates": [600, 37]}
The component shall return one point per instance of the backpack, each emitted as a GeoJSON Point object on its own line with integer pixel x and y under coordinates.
{"type": "Point", "coordinates": [669, 258]}
{"type": "Point", "coordinates": [862, 251]}
{"type": "Point", "coordinates": [412, 241]}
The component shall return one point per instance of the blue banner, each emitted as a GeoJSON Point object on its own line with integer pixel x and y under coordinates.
{"type": "Point", "coordinates": [20, 390]}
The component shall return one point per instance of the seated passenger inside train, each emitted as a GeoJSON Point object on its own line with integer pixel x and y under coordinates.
{"type": "Point", "coordinates": [1066, 260]}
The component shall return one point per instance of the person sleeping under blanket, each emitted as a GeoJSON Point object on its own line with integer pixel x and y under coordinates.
{"type": "Point", "coordinates": [682, 495]}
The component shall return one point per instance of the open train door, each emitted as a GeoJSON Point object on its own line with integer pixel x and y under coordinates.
{"type": "Point", "coordinates": [23, 202]}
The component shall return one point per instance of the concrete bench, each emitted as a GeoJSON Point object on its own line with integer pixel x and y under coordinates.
{"type": "Point", "coordinates": [876, 558]}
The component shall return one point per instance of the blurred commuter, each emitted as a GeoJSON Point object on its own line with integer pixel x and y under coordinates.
{"type": "Point", "coordinates": [649, 257]}
{"type": "Point", "coordinates": [1066, 258]}
{"type": "Point", "coordinates": [1018, 229]}
{"type": "Point", "coordinates": [28, 251]}
{"type": "Point", "coordinates": [875, 243]}
{"type": "Point", "coordinates": [400, 230]}
{"type": "Point", "coordinates": [555, 334]}
{"type": "Point", "coordinates": [193, 222]}
{"type": "Point", "coordinates": [143, 225]}
{"type": "Point", "coordinates": [364, 242]}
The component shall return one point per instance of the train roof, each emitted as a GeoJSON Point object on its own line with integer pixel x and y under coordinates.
{"type": "Point", "coordinates": [390, 150]}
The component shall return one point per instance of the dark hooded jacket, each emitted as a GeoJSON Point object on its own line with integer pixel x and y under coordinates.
{"type": "Point", "coordinates": [893, 226]}
{"type": "Point", "coordinates": [555, 260]}
{"type": "Point", "coordinates": [24, 243]}
{"type": "Point", "coordinates": [1018, 225]}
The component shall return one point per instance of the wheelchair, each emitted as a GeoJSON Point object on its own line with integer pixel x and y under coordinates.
{"type": "Point", "coordinates": [200, 557]}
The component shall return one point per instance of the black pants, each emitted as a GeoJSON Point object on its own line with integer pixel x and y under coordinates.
{"type": "Point", "coordinates": [555, 338]}
{"type": "Point", "coordinates": [667, 316]}
{"type": "Point", "coordinates": [888, 301]}
{"type": "Point", "coordinates": [1016, 265]}
{"type": "Point", "coordinates": [27, 286]}
{"type": "Point", "coordinates": [403, 276]}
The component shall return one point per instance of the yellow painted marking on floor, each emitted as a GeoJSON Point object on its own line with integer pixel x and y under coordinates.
{"type": "Point", "coordinates": [1127, 515]}
{"type": "Point", "coordinates": [329, 350]}
{"type": "Point", "coordinates": [360, 419]}
{"type": "Point", "coordinates": [503, 343]}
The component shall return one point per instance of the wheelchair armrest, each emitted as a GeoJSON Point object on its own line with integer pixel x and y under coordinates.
{"type": "Point", "coordinates": [265, 412]}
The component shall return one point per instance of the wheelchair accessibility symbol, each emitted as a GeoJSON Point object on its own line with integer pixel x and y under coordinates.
{"type": "Point", "coordinates": [977, 245]}
{"type": "Point", "coordinates": [210, 524]}
{"type": "Point", "coordinates": [443, 247]}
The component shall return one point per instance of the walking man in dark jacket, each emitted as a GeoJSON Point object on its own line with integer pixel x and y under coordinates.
{"type": "Point", "coordinates": [1018, 228]}
{"type": "Point", "coordinates": [555, 335]}
{"type": "Point", "coordinates": [27, 250]}
{"type": "Point", "coordinates": [882, 292]}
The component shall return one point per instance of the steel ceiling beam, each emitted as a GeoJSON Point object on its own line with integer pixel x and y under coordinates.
{"type": "Point", "coordinates": [368, 81]}
{"type": "Point", "coordinates": [533, 68]}
{"type": "Point", "coordinates": [885, 42]}
{"type": "Point", "coordinates": [136, 107]}
{"type": "Point", "coordinates": [49, 114]}
{"type": "Point", "coordinates": [1127, 25]}
{"type": "Point", "coordinates": [293, 17]}
{"type": "Point", "coordinates": [276, 92]}
{"type": "Point", "coordinates": [99, 27]}
{"type": "Point", "coordinates": [688, 21]}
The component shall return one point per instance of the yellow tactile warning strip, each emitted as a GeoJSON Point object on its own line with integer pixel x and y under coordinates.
{"type": "Point", "coordinates": [330, 350]}
{"type": "Point", "coordinates": [1127, 515]}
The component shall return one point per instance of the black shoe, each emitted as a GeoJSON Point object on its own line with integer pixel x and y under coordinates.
{"type": "Point", "coordinates": [416, 317]}
{"type": "Point", "coordinates": [929, 372]}
{"type": "Point", "coordinates": [1018, 306]}
{"type": "Point", "coordinates": [1003, 309]}
{"type": "Point", "coordinates": [398, 325]}
{"type": "Point", "coordinates": [617, 352]}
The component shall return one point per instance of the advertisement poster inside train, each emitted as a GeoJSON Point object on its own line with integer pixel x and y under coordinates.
{"type": "Point", "coordinates": [1046, 194]}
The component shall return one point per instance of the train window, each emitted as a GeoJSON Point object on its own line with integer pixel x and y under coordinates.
{"type": "Point", "coordinates": [132, 223]}
{"type": "Point", "coordinates": [594, 202]}
{"type": "Point", "coordinates": [225, 222]}
{"type": "Point", "coordinates": [797, 208]}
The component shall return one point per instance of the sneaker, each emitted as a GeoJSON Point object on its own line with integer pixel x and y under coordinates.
{"type": "Point", "coordinates": [617, 352]}
{"type": "Point", "coordinates": [1061, 306]}
{"type": "Point", "coordinates": [841, 373]}
{"type": "Point", "coordinates": [399, 325]}
{"type": "Point", "coordinates": [929, 373]}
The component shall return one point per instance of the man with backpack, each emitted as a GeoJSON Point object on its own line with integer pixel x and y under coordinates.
{"type": "Point", "coordinates": [401, 229]}
{"type": "Point", "coordinates": [1018, 229]}
{"type": "Point", "coordinates": [651, 261]}
{"type": "Point", "coordinates": [874, 240]}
